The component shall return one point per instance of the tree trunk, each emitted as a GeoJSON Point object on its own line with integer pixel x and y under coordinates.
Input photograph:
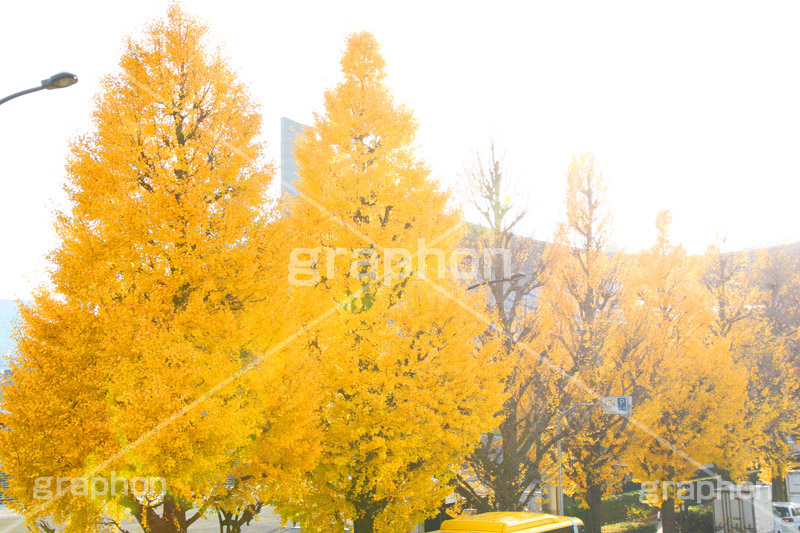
{"type": "Point", "coordinates": [506, 491]}
{"type": "Point", "coordinates": [594, 515]}
{"type": "Point", "coordinates": [364, 524]}
{"type": "Point", "coordinates": [171, 520]}
{"type": "Point", "coordinates": [683, 518]}
{"type": "Point", "coordinates": [668, 523]}
{"type": "Point", "coordinates": [229, 522]}
{"type": "Point", "coordinates": [779, 485]}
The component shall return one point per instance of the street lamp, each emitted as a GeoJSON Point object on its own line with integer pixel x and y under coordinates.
{"type": "Point", "coordinates": [513, 277]}
{"type": "Point", "coordinates": [56, 81]}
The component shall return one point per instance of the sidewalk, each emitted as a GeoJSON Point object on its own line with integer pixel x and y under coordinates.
{"type": "Point", "coordinates": [268, 522]}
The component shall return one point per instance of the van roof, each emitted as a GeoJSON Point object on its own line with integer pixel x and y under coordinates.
{"type": "Point", "coordinates": [505, 522]}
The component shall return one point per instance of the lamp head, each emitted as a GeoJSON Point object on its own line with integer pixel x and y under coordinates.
{"type": "Point", "coordinates": [60, 80]}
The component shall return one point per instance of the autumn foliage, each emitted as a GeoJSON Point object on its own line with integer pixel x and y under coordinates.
{"type": "Point", "coordinates": [164, 290]}
{"type": "Point", "coordinates": [408, 388]}
{"type": "Point", "coordinates": [320, 354]}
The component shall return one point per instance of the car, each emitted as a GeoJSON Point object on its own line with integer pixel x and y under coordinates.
{"type": "Point", "coordinates": [519, 522]}
{"type": "Point", "coordinates": [788, 513]}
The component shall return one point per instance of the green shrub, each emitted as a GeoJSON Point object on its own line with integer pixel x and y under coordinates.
{"type": "Point", "coordinates": [700, 519]}
{"type": "Point", "coordinates": [620, 508]}
{"type": "Point", "coordinates": [640, 512]}
{"type": "Point", "coordinates": [647, 526]}
{"type": "Point", "coordinates": [643, 527]}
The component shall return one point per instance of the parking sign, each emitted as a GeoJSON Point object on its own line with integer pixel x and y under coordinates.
{"type": "Point", "coordinates": [617, 405]}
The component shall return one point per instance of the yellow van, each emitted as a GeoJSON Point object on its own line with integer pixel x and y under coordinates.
{"type": "Point", "coordinates": [513, 522]}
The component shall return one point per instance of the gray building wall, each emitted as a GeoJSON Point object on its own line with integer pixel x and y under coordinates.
{"type": "Point", "coordinates": [9, 315]}
{"type": "Point", "coordinates": [289, 132]}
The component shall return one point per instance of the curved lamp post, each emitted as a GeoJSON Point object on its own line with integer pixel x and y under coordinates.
{"type": "Point", "coordinates": [56, 81]}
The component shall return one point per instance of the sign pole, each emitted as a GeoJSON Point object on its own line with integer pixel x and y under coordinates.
{"type": "Point", "coordinates": [560, 472]}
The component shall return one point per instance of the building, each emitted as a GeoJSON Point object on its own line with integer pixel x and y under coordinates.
{"type": "Point", "coordinates": [9, 315]}
{"type": "Point", "coordinates": [289, 132]}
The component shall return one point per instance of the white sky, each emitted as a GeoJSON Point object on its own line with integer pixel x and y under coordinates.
{"type": "Point", "coordinates": [689, 106]}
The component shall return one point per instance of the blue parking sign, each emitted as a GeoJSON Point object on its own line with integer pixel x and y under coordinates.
{"type": "Point", "coordinates": [617, 405]}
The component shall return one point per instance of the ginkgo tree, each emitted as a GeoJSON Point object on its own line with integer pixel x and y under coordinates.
{"type": "Point", "coordinates": [153, 353]}
{"type": "Point", "coordinates": [776, 277]}
{"type": "Point", "coordinates": [504, 470]}
{"type": "Point", "coordinates": [407, 387]}
{"type": "Point", "coordinates": [746, 320]}
{"type": "Point", "coordinates": [595, 333]}
{"type": "Point", "coordinates": [695, 388]}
